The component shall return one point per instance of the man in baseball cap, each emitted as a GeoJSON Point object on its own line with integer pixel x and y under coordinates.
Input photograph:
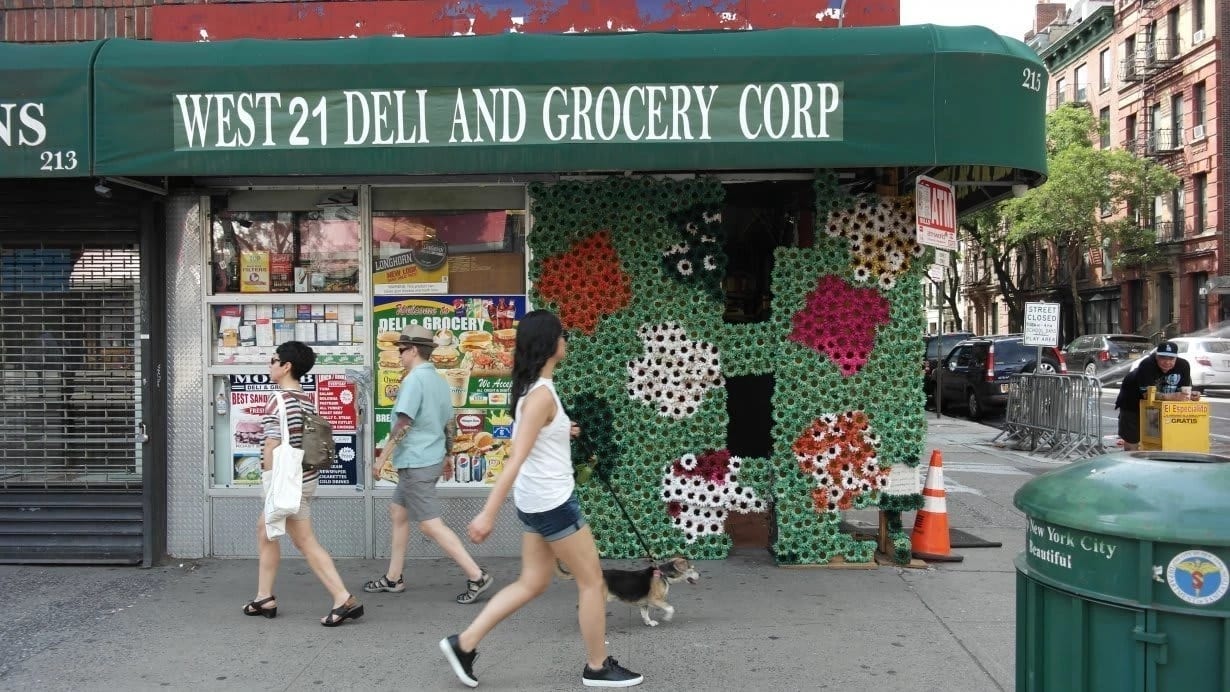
{"type": "Point", "coordinates": [1165, 370]}
{"type": "Point", "coordinates": [420, 437]}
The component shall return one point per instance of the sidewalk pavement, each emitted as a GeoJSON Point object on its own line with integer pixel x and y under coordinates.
{"type": "Point", "coordinates": [747, 624]}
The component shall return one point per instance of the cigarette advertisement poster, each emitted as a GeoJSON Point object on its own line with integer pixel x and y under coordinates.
{"type": "Point", "coordinates": [333, 395]}
{"type": "Point", "coordinates": [475, 336]}
{"type": "Point", "coordinates": [410, 258]}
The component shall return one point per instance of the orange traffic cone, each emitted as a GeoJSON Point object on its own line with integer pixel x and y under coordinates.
{"type": "Point", "coordinates": [930, 539]}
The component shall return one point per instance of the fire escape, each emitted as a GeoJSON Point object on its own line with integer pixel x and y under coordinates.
{"type": "Point", "coordinates": [1155, 64]}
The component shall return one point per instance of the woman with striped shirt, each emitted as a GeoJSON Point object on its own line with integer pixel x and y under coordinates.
{"type": "Point", "coordinates": [295, 359]}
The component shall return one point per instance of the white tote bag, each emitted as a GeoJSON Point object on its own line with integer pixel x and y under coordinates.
{"type": "Point", "coordinates": [284, 484]}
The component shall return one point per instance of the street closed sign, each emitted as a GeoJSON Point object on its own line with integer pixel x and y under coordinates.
{"type": "Point", "coordinates": [1041, 324]}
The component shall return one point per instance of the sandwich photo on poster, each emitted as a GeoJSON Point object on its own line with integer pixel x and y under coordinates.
{"type": "Point", "coordinates": [475, 337]}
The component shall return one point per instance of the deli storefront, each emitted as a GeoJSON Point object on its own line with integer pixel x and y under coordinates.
{"type": "Point", "coordinates": [725, 222]}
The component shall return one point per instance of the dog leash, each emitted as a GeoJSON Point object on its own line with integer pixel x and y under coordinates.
{"type": "Point", "coordinates": [593, 458]}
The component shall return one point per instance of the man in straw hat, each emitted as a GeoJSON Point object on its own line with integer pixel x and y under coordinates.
{"type": "Point", "coordinates": [417, 444]}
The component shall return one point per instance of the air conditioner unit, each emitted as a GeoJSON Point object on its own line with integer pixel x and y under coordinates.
{"type": "Point", "coordinates": [1197, 37]}
{"type": "Point", "coordinates": [1197, 132]}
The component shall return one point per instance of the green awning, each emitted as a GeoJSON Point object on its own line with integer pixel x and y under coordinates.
{"type": "Point", "coordinates": [45, 109]}
{"type": "Point", "coordinates": [916, 96]}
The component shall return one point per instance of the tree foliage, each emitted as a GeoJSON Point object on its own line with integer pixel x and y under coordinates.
{"type": "Point", "coordinates": [1083, 180]}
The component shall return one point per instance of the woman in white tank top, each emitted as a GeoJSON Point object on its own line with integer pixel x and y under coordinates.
{"type": "Point", "coordinates": [539, 472]}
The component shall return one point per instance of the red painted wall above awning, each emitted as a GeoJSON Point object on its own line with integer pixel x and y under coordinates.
{"type": "Point", "coordinates": [320, 20]}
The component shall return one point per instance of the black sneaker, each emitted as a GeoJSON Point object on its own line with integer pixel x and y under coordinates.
{"type": "Point", "coordinates": [475, 588]}
{"type": "Point", "coordinates": [611, 674]}
{"type": "Point", "coordinates": [462, 662]}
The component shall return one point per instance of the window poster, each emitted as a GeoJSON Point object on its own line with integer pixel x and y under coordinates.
{"type": "Point", "coordinates": [410, 258]}
{"type": "Point", "coordinates": [475, 336]}
{"type": "Point", "coordinates": [335, 399]}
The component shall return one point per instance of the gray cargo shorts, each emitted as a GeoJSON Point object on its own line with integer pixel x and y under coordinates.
{"type": "Point", "coordinates": [416, 491]}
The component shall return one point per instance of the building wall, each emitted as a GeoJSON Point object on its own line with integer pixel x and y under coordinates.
{"type": "Point", "coordinates": [1194, 248]}
{"type": "Point", "coordinates": [82, 20]}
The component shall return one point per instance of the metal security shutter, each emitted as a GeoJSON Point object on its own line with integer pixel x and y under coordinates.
{"type": "Point", "coordinates": [70, 402]}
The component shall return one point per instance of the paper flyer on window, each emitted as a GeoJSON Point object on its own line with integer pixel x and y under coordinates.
{"type": "Point", "coordinates": [475, 336]}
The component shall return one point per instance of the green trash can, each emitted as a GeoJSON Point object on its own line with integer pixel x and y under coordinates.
{"type": "Point", "coordinates": [1123, 582]}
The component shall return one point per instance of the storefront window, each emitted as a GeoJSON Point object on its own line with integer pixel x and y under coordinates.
{"type": "Point", "coordinates": [285, 252]}
{"type": "Point", "coordinates": [451, 260]}
{"type": "Point", "coordinates": [345, 273]}
{"type": "Point", "coordinates": [285, 265]}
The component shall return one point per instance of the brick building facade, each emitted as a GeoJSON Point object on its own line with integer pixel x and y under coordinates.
{"type": "Point", "coordinates": [42, 21]}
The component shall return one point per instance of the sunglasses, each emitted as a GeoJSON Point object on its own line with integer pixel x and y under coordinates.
{"type": "Point", "coordinates": [276, 361]}
{"type": "Point", "coordinates": [402, 349]}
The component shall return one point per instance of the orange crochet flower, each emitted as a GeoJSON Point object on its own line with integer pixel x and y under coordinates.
{"type": "Point", "coordinates": [586, 283]}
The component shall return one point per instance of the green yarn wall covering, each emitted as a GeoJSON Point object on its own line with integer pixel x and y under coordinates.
{"type": "Point", "coordinates": [633, 266]}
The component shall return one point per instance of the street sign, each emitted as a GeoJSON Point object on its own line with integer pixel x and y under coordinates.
{"type": "Point", "coordinates": [942, 257]}
{"type": "Point", "coordinates": [936, 272]}
{"type": "Point", "coordinates": [935, 208]}
{"type": "Point", "coordinates": [1041, 324]}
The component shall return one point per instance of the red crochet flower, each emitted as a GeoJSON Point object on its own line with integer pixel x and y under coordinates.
{"type": "Point", "coordinates": [586, 283]}
{"type": "Point", "coordinates": [839, 453]}
{"type": "Point", "coordinates": [840, 321]}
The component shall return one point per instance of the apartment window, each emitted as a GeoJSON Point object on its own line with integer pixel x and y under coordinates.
{"type": "Point", "coordinates": [1129, 132]}
{"type": "Point", "coordinates": [1178, 213]}
{"type": "Point", "coordinates": [1104, 127]}
{"type": "Point", "coordinates": [1198, 16]}
{"type": "Point", "coordinates": [1172, 34]}
{"type": "Point", "coordinates": [1155, 127]}
{"type": "Point", "coordinates": [1081, 77]}
{"type": "Point", "coordinates": [1044, 267]}
{"type": "Point", "coordinates": [1200, 103]}
{"type": "Point", "coordinates": [1200, 200]}
{"type": "Point", "coordinates": [1060, 85]}
{"type": "Point", "coordinates": [1104, 69]}
{"type": "Point", "coordinates": [1176, 120]}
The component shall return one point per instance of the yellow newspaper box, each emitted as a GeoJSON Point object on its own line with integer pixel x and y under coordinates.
{"type": "Point", "coordinates": [1175, 426]}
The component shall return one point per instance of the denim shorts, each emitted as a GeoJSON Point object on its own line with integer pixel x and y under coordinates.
{"type": "Point", "coordinates": [557, 523]}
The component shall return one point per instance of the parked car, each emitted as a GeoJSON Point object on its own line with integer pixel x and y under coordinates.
{"type": "Point", "coordinates": [1209, 357]}
{"type": "Point", "coordinates": [1105, 356]}
{"type": "Point", "coordinates": [935, 348]}
{"type": "Point", "coordinates": [977, 371]}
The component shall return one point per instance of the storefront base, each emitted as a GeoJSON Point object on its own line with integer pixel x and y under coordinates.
{"type": "Point", "coordinates": [341, 526]}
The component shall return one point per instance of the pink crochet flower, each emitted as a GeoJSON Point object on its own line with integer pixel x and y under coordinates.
{"type": "Point", "coordinates": [840, 321]}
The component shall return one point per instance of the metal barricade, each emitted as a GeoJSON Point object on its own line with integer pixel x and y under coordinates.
{"type": "Point", "coordinates": [1058, 415]}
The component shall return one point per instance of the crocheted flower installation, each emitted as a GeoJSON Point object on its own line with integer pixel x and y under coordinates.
{"type": "Point", "coordinates": [839, 452]}
{"type": "Point", "coordinates": [675, 372]}
{"type": "Point", "coordinates": [698, 259]}
{"type": "Point", "coordinates": [586, 283]}
{"type": "Point", "coordinates": [840, 321]}
{"type": "Point", "coordinates": [881, 233]}
{"type": "Point", "coordinates": [700, 490]}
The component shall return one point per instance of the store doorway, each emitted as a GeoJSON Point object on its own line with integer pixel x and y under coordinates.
{"type": "Point", "coordinates": [757, 219]}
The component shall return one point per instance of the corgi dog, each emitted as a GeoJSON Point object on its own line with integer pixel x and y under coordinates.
{"type": "Point", "coordinates": [646, 587]}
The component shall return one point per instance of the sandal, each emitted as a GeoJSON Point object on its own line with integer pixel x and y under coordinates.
{"type": "Point", "coordinates": [350, 610]}
{"type": "Point", "coordinates": [255, 608]}
{"type": "Point", "coordinates": [475, 588]}
{"type": "Point", "coordinates": [385, 584]}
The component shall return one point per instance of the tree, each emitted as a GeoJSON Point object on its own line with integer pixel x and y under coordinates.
{"type": "Point", "coordinates": [949, 290]}
{"type": "Point", "coordinates": [989, 230]}
{"type": "Point", "coordinates": [1082, 181]}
